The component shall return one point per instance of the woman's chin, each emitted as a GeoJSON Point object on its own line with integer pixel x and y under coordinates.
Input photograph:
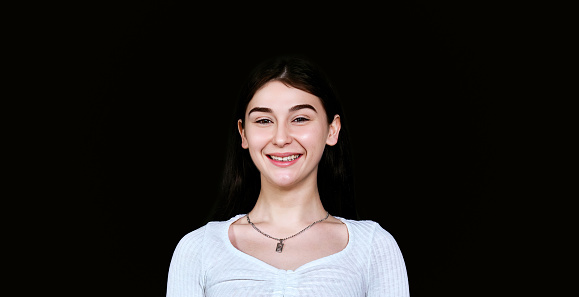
{"type": "Point", "coordinates": [283, 181]}
{"type": "Point", "coordinates": [286, 178]}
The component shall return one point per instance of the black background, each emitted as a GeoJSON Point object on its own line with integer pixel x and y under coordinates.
{"type": "Point", "coordinates": [425, 90]}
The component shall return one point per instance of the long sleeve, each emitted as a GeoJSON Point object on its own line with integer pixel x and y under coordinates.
{"type": "Point", "coordinates": [386, 269]}
{"type": "Point", "coordinates": [186, 277]}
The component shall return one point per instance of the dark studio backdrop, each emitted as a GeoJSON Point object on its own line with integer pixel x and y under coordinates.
{"type": "Point", "coordinates": [420, 84]}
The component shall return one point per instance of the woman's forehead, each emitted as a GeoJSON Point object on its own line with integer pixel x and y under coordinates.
{"type": "Point", "coordinates": [277, 95]}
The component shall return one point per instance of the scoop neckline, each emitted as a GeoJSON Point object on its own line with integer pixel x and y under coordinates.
{"type": "Point", "coordinates": [271, 267]}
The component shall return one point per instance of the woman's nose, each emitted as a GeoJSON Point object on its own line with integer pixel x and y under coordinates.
{"type": "Point", "coordinates": [282, 135]}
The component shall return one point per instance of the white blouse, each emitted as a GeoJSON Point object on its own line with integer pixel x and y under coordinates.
{"type": "Point", "coordinates": [205, 263]}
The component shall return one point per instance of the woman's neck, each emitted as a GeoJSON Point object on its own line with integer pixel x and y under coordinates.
{"type": "Point", "coordinates": [293, 205]}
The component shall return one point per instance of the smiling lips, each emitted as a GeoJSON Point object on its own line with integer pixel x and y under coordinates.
{"type": "Point", "coordinates": [283, 161]}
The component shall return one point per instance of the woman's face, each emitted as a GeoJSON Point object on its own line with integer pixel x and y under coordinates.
{"type": "Point", "coordinates": [285, 131]}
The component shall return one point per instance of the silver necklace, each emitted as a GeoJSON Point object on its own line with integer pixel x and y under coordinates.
{"type": "Point", "coordinates": [279, 246]}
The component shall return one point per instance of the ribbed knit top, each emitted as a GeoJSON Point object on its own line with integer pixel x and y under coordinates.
{"type": "Point", "coordinates": [205, 263]}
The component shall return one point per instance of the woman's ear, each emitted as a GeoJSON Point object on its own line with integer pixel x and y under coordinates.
{"type": "Point", "coordinates": [242, 134]}
{"type": "Point", "coordinates": [334, 132]}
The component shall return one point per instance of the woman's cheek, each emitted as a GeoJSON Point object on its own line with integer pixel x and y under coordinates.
{"type": "Point", "coordinates": [310, 138]}
{"type": "Point", "coordinates": [258, 137]}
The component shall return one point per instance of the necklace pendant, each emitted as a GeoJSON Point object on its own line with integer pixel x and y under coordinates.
{"type": "Point", "coordinates": [279, 247]}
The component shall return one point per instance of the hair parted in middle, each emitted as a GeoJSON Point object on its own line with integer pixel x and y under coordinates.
{"type": "Point", "coordinates": [241, 179]}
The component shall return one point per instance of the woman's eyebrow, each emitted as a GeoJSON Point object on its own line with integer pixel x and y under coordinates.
{"type": "Point", "coordinates": [260, 109]}
{"type": "Point", "coordinates": [302, 106]}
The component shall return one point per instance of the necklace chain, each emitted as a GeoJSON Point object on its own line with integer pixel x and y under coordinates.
{"type": "Point", "coordinates": [281, 240]}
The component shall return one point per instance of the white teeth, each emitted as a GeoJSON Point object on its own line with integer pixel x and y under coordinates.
{"type": "Point", "coordinates": [285, 159]}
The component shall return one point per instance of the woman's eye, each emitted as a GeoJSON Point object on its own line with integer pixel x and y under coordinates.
{"type": "Point", "coordinates": [263, 121]}
{"type": "Point", "coordinates": [301, 119]}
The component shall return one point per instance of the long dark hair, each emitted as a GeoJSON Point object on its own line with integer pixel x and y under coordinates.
{"type": "Point", "coordinates": [241, 180]}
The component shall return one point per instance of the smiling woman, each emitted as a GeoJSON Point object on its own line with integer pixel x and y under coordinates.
{"type": "Point", "coordinates": [242, 180]}
{"type": "Point", "coordinates": [288, 224]}
{"type": "Point", "coordinates": [286, 136]}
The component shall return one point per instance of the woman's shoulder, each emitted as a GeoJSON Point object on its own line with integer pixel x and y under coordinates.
{"type": "Point", "coordinates": [193, 238]}
{"type": "Point", "coordinates": [210, 228]}
{"type": "Point", "coordinates": [361, 225]}
{"type": "Point", "coordinates": [369, 229]}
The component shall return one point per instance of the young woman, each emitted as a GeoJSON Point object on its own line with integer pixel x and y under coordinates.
{"type": "Point", "coordinates": [288, 227]}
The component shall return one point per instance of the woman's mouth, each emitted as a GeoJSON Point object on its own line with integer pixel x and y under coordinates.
{"type": "Point", "coordinates": [285, 160]}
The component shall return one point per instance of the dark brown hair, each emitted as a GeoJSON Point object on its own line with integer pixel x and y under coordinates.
{"type": "Point", "coordinates": [241, 180]}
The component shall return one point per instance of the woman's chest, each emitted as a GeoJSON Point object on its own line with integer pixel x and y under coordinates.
{"type": "Point", "coordinates": [316, 280]}
{"type": "Point", "coordinates": [291, 253]}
